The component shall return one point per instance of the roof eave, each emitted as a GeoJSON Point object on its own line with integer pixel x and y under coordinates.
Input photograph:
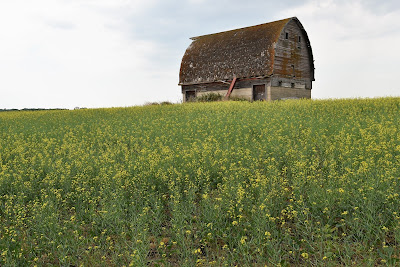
{"type": "Point", "coordinates": [228, 81]}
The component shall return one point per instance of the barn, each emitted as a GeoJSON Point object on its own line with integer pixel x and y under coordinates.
{"type": "Point", "coordinates": [269, 61]}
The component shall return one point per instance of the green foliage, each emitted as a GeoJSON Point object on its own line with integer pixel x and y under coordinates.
{"type": "Point", "coordinates": [152, 104]}
{"type": "Point", "coordinates": [208, 97]}
{"type": "Point", "coordinates": [236, 98]}
{"type": "Point", "coordinates": [163, 103]}
{"type": "Point", "coordinates": [215, 184]}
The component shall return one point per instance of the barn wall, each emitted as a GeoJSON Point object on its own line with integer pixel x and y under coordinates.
{"type": "Point", "coordinates": [287, 82]}
{"type": "Point", "coordinates": [290, 52]}
{"type": "Point", "coordinates": [273, 92]}
{"type": "Point", "coordinates": [242, 88]}
{"type": "Point", "coordinates": [209, 87]}
{"type": "Point", "coordinates": [285, 92]}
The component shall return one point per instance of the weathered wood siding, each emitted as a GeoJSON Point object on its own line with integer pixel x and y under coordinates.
{"type": "Point", "coordinates": [292, 57]}
{"type": "Point", "coordinates": [278, 93]}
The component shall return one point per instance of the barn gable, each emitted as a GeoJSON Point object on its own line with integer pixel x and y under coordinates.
{"type": "Point", "coordinates": [275, 54]}
{"type": "Point", "coordinates": [293, 49]}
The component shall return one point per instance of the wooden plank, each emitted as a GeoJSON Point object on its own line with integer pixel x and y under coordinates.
{"type": "Point", "coordinates": [230, 88]}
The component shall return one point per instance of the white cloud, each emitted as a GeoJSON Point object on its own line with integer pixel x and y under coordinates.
{"type": "Point", "coordinates": [64, 50]}
{"type": "Point", "coordinates": [351, 48]}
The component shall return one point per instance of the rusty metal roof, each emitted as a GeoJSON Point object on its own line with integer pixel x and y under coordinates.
{"type": "Point", "coordinates": [245, 52]}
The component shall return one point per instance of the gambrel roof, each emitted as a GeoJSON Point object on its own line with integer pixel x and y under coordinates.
{"type": "Point", "coordinates": [246, 52]}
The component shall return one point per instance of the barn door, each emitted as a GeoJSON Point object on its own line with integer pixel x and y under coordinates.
{"type": "Point", "coordinates": [259, 92]}
{"type": "Point", "coordinates": [190, 96]}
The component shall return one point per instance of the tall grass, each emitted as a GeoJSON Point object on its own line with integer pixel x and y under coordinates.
{"type": "Point", "coordinates": [212, 184]}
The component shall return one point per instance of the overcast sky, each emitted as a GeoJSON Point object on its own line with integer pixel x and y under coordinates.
{"type": "Point", "coordinates": [116, 53]}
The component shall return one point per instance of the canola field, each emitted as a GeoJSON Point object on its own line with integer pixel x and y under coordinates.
{"type": "Point", "coordinates": [307, 182]}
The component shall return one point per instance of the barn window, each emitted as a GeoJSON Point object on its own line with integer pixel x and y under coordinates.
{"type": "Point", "coordinates": [299, 39]}
{"type": "Point", "coordinates": [280, 83]}
{"type": "Point", "coordinates": [292, 84]}
{"type": "Point", "coordinates": [286, 35]}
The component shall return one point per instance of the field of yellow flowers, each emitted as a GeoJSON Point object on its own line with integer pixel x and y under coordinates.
{"type": "Point", "coordinates": [307, 182]}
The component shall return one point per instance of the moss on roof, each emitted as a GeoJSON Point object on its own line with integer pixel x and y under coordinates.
{"type": "Point", "coordinates": [245, 52]}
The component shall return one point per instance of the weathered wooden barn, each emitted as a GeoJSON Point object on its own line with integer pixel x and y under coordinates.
{"type": "Point", "coordinates": [264, 62]}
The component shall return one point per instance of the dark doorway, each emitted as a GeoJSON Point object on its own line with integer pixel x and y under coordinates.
{"type": "Point", "coordinates": [259, 92]}
{"type": "Point", "coordinates": [190, 96]}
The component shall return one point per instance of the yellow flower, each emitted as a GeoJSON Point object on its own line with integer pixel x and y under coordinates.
{"type": "Point", "coordinates": [197, 251]}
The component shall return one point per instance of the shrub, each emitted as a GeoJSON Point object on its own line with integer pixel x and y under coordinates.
{"type": "Point", "coordinates": [209, 97]}
{"type": "Point", "coordinates": [151, 104]}
{"type": "Point", "coordinates": [163, 103]}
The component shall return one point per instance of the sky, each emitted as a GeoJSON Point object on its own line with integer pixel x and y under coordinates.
{"type": "Point", "coordinates": [119, 53]}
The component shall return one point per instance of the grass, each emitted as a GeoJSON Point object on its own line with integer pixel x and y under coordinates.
{"type": "Point", "coordinates": [307, 182]}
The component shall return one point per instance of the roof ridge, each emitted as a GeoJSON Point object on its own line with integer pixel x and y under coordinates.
{"type": "Point", "coordinates": [243, 28]}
